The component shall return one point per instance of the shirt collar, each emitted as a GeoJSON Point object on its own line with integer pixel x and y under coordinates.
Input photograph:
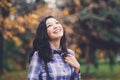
{"type": "Point", "coordinates": [53, 48]}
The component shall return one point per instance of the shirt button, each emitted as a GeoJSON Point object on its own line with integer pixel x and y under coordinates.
{"type": "Point", "coordinates": [63, 70]}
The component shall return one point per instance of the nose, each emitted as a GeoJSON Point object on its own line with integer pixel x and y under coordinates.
{"type": "Point", "coordinates": [55, 26]}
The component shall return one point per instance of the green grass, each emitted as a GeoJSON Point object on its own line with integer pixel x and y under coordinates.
{"type": "Point", "coordinates": [102, 73]}
{"type": "Point", "coordinates": [16, 75]}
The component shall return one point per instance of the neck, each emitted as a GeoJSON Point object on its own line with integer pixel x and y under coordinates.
{"type": "Point", "coordinates": [55, 43]}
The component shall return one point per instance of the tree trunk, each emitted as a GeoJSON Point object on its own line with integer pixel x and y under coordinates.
{"type": "Point", "coordinates": [87, 56]}
{"type": "Point", "coordinates": [1, 52]}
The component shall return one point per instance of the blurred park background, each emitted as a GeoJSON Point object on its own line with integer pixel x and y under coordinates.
{"type": "Point", "coordinates": [93, 32]}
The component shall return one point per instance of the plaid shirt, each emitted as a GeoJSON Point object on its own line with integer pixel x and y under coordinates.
{"type": "Point", "coordinates": [58, 69]}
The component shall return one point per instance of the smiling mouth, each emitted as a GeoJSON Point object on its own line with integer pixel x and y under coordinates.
{"type": "Point", "coordinates": [57, 31]}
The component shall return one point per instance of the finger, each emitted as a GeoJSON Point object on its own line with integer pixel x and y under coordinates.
{"type": "Point", "coordinates": [68, 61]}
{"type": "Point", "coordinates": [69, 55]}
{"type": "Point", "coordinates": [67, 58]}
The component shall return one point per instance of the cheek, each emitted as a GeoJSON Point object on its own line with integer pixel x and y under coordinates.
{"type": "Point", "coordinates": [49, 33]}
{"type": "Point", "coordinates": [62, 30]}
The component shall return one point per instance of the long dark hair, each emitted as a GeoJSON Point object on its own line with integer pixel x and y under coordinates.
{"type": "Point", "coordinates": [41, 42]}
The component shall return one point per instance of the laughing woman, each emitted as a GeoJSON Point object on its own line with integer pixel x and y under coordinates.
{"type": "Point", "coordinates": [51, 59]}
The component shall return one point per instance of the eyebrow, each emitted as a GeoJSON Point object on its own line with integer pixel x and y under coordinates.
{"type": "Point", "coordinates": [48, 24]}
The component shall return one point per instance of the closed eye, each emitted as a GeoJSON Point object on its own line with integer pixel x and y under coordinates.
{"type": "Point", "coordinates": [49, 26]}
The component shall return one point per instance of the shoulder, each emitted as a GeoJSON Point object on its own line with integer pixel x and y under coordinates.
{"type": "Point", "coordinates": [70, 51]}
{"type": "Point", "coordinates": [35, 54]}
{"type": "Point", "coordinates": [36, 57]}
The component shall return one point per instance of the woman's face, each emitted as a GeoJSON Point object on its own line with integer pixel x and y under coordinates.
{"type": "Point", "coordinates": [54, 29]}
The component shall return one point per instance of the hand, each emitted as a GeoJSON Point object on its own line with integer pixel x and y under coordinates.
{"type": "Point", "coordinates": [70, 59]}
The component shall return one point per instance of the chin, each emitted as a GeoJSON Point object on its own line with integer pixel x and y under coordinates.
{"type": "Point", "coordinates": [58, 37]}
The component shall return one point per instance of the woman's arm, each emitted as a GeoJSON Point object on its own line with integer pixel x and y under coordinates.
{"type": "Point", "coordinates": [34, 68]}
{"type": "Point", "coordinates": [70, 59]}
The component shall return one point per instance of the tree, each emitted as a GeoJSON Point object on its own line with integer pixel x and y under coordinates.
{"type": "Point", "coordinates": [18, 29]}
{"type": "Point", "coordinates": [4, 12]}
{"type": "Point", "coordinates": [96, 25]}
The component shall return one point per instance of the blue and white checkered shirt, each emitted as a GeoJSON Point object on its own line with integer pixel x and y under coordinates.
{"type": "Point", "coordinates": [58, 69]}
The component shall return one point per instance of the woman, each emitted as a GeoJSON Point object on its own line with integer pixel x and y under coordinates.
{"type": "Point", "coordinates": [50, 59]}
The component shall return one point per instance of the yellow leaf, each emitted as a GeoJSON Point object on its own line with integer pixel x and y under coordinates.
{"type": "Point", "coordinates": [76, 49]}
{"type": "Point", "coordinates": [8, 23]}
{"type": "Point", "coordinates": [69, 30]}
{"type": "Point", "coordinates": [20, 20]}
{"type": "Point", "coordinates": [17, 41]}
{"type": "Point", "coordinates": [65, 12]}
{"type": "Point", "coordinates": [21, 29]}
{"type": "Point", "coordinates": [12, 10]}
{"type": "Point", "coordinates": [8, 35]}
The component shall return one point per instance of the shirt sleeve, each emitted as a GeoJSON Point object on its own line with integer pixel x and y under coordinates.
{"type": "Point", "coordinates": [34, 68]}
{"type": "Point", "coordinates": [75, 76]}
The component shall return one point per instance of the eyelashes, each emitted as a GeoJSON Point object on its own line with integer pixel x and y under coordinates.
{"type": "Point", "coordinates": [50, 25]}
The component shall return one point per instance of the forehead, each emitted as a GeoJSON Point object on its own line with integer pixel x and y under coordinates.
{"type": "Point", "coordinates": [50, 20]}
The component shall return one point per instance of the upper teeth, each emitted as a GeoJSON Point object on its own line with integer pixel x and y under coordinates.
{"type": "Point", "coordinates": [56, 31]}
